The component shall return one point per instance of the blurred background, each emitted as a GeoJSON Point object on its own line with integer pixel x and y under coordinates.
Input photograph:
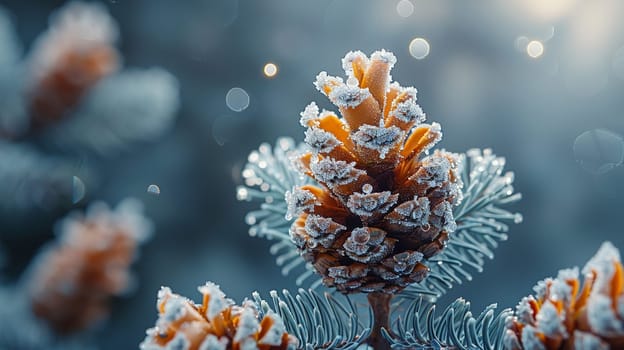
{"type": "Point", "coordinates": [540, 82]}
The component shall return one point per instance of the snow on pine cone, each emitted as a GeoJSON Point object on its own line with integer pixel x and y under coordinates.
{"type": "Point", "coordinates": [216, 324]}
{"type": "Point", "coordinates": [382, 204]}
{"type": "Point", "coordinates": [565, 315]}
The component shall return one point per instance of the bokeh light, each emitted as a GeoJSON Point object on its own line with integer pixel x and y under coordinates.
{"type": "Point", "coordinates": [153, 189]}
{"type": "Point", "coordinates": [419, 48]}
{"type": "Point", "coordinates": [237, 99]}
{"type": "Point", "coordinates": [270, 70]}
{"type": "Point", "coordinates": [405, 8]}
{"type": "Point", "coordinates": [535, 49]}
{"type": "Point", "coordinates": [599, 151]}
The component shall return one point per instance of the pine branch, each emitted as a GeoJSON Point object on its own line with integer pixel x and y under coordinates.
{"type": "Point", "coordinates": [129, 107]}
{"type": "Point", "coordinates": [481, 222]}
{"type": "Point", "coordinates": [318, 321]}
{"type": "Point", "coordinates": [420, 327]}
{"type": "Point", "coordinates": [268, 175]}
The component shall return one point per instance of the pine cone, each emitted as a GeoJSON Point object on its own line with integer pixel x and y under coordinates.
{"type": "Point", "coordinates": [562, 315]}
{"type": "Point", "coordinates": [382, 205]}
{"type": "Point", "coordinates": [74, 54]}
{"type": "Point", "coordinates": [216, 324]}
{"type": "Point", "coordinates": [73, 280]}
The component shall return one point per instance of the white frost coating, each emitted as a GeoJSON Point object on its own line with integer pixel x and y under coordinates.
{"type": "Point", "coordinates": [133, 106]}
{"type": "Point", "coordinates": [550, 322]}
{"type": "Point", "coordinates": [444, 210]}
{"type": "Point", "coordinates": [299, 200]}
{"type": "Point", "coordinates": [345, 96]}
{"type": "Point", "coordinates": [323, 80]}
{"type": "Point", "coordinates": [320, 140]}
{"type": "Point", "coordinates": [511, 340]}
{"type": "Point", "coordinates": [560, 290]}
{"type": "Point", "coordinates": [274, 335]}
{"type": "Point", "coordinates": [531, 340]}
{"type": "Point", "coordinates": [571, 274]}
{"type": "Point", "coordinates": [378, 138]}
{"type": "Point", "coordinates": [601, 316]}
{"type": "Point", "coordinates": [349, 58]}
{"type": "Point", "coordinates": [436, 169]}
{"type": "Point", "coordinates": [585, 341]}
{"type": "Point", "coordinates": [603, 264]}
{"type": "Point", "coordinates": [384, 56]}
{"type": "Point", "coordinates": [524, 311]}
{"type": "Point", "coordinates": [414, 213]}
{"type": "Point", "coordinates": [335, 172]}
{"type": "Point", "coordinates": [218, 302]}
{"type": "Point", "coordinates": [541, 288]}
{"type": "Point", "coordinates": [248, 325]}
{"type": "Point", "coordinates": [408, 110]}
{"type": "Point", "coordinates": [174, 308]}
{"type": "Point", "coordinates": [74, 27]}
{"type": "Point", "coordinates": [179, 342]}
{"type": "Point", "coordinates": [310, 113]}
{"type": "Point", "coordinates": [368, 204]}
{"type": "Point", "coordinates": [317, 226]}
{"type": "Point", "coordinates": [213, 343]}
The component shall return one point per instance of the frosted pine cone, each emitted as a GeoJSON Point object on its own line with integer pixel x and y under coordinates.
{"type": "Point", "coordinates": [564, 315]}
{"type": "Point", "coordinates": [73, 280]}
{"type": "Point", "coordinates": [74, 54]}
{"type": "Point", "coordinates": [216, 324]}
{"type": "Point", "coordinates": [382, 205]}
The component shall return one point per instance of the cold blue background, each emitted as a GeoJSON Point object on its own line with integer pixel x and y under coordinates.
{"type": "Point", "coordinates": [484, 90]}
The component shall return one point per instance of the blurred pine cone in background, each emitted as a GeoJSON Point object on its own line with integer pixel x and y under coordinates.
{"type": "Point", "coordinates": [216, 324]}
{"type": "Point", "coordinates": [383, 205]}
{"type": "Point", "coordinates": [74, 54]}
{"type": "Point", "coordinates": [72, 281]}
{"type": "Point", "coordinates": [565, 315]}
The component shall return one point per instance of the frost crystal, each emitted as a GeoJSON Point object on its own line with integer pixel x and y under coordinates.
{"type": "Point", "coordinates": [379, 139]}
{"type": "Point", "coordinates": [350, 57]}
{"type": "Point", "coordinates": [348, 96]}
{"type": "Point", "coordinates": [325, 82]}
{"type": "Point", "coordinates": [367, 205]}
{"type": "Point", "coordinates": [218, 302]}
{"type": "Point", "coordinates": [299, 200]}
{"type": "Point", "coordinates": [310, 113]}
{"type": "Point", "coordinates": [335, 172]}
{"type": "Point", "coordinates": [320, 140]}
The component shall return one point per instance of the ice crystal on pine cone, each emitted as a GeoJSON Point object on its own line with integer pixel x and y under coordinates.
{"type": "Point", "coordinates": [215, 324]}
{"type": "Point", "coordinates": [381, 205]}
{"type": "Point", "coordinates": [71, 282]}
{"type": "Point", "coordinates": [565, 314]}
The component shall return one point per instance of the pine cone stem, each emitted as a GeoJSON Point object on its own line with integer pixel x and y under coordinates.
{"type": "Point", "coordinates": [380, 303]}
